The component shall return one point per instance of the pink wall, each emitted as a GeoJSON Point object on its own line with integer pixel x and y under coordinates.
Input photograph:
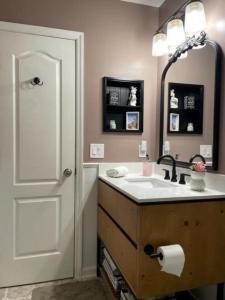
{"type": "Point", "coordinates": [216, 30]}
{"type": "Point", "coordinates": [117, 43]}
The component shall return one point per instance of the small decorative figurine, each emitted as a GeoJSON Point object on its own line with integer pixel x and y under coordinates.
{"type": "Point", "coordinates": [173, 100]}
{"type": "Point", "coordinates": [132, 100]}
{"type": "Point", "coordinates": [190, 127]}
{"type": "Point", "coordinates": [112, 124]}
{"type": "Point", "coordinates": [114, 98]}
{"type": "Point", "coordinates": [189, 102]}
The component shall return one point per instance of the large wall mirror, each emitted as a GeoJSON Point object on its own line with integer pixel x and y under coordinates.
{"type": "Point", "coordinates": [190, 96]}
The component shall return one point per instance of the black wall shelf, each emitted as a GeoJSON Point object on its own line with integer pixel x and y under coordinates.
{"type": "Point", "coordinates": [116, 105]}
{"type": "Point", "coordinates": [189, 110]}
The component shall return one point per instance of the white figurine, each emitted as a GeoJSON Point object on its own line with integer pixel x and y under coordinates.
{"type": "Point", "coordinates": [173, 100]}
{"type": "Point", "coordinates": [190, 127]}
{"type": "Point", "coordinates": [132, 97]}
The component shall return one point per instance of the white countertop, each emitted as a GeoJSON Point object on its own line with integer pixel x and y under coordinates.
{"type": "Point", "coordinates": [143, 194]}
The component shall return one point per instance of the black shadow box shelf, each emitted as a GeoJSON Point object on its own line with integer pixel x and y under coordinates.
{"type": "Point", "coordinates": [115, 104]}
{"type": "Point", "coordinates": [189, 109]}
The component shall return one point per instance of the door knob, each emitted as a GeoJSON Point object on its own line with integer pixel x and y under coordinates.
{"type": "Point", "coordinates": [67, 172]}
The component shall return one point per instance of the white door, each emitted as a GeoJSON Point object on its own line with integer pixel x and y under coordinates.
{"type": "Point", "coordinates": [37, 143]}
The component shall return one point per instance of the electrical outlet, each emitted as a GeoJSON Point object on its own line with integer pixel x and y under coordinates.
{"type": "Point", "coordinates": [206, 151]}
{"type": "Point", "coordinates": [97, 150]}
{"type": "Point", "coordinates": [142, 153]}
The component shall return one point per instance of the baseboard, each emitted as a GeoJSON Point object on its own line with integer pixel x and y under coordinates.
{"type": "Point", "coordinates": [89, 273]}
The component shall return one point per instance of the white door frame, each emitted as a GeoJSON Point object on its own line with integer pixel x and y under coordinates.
{"type": "Point", "coordinates": [78, 38]}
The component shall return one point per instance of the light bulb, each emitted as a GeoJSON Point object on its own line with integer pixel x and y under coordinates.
{"type": "Point", "coordinates": [195, 19]}
{"type": "Point", "coordinates": [159, 45]}
{"type": "Point", "coordinates": [175, 33]}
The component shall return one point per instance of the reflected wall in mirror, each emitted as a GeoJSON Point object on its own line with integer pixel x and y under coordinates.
{"type": "Point", "coordinates": [190, 106]}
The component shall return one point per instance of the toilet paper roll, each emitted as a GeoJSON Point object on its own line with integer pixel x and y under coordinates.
{"type": "Point", "coordinates": [172, 259]}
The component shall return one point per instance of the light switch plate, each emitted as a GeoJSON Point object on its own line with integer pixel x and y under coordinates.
{"type": "Point", "coordinates": [142, 149]}
{"type": "Point", "coordinates": [97, 150]}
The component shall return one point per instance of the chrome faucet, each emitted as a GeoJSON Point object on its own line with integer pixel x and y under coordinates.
{"type": "Point", "coordinates": [174, 174]}
{"type": "Point", "coordinates": [195, 156]}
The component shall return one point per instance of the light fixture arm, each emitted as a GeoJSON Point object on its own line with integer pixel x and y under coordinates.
{"type": "Point", "coordinates": [178, 13]}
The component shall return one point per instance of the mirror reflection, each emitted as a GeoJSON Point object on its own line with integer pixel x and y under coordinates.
{"type": "Point", "coordinates": [189, 106]}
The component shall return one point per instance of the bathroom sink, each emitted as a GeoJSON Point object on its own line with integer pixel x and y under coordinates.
{"type": "Point", "coordinates": [150, 182]}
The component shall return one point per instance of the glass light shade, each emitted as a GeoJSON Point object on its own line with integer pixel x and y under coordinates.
{"type": "Point", "coordinates": [175, 33]}
{"type": "Point", "coordinates": [195, 19]}
{"type": "Point", "coordinates": [159, 46]}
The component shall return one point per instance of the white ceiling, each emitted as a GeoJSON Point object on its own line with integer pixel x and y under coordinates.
{"type": "Point", "coordinates": [155, 3]}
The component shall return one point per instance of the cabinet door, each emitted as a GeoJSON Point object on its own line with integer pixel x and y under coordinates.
{"type": "Point", "coordinates": [120, 248]}
{"type": "Point", "coordinates": [120, 208]}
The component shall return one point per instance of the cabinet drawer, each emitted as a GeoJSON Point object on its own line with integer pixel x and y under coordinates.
{"type": "Point", "coordinates": [120, 208]}
{"type": "Point", "coordinates": [120, 248]}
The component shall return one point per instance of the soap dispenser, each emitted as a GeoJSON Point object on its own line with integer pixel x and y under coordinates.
{"type": "Point", "coordinates": [147, 167]}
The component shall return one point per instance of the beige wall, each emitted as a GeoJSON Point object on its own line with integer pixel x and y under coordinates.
{"type": "Point", "coordinates": [216, 30]}
{"type": "Point", "coordinates": [117, 43]}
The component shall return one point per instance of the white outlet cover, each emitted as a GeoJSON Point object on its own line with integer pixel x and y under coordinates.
{"type": "Point", "coordinates": [97, 150]}
{"type": "Point", "coordinates": [206, 151]}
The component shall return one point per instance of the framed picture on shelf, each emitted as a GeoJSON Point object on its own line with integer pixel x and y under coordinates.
{"type": "Point", "coordinates": [174, 122]}
{"type": "Point", "coordinates": [189, 102]}
{"type": "Point", "coordinates": [132, 121]}
{"type": "Point", "coordinates": [114, 98]}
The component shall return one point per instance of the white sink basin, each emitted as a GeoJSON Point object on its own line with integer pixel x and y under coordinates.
{"type": "Point", "coordinates": [150, 182]}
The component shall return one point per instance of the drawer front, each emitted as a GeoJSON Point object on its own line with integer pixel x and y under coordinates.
{"type": "Point", "coordinates": [120, 208]}
{"type": "Point", "coordinates": [120, 248]}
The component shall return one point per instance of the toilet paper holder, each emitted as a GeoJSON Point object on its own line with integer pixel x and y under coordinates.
{"type": "Point", "coordinates": [150, 251]}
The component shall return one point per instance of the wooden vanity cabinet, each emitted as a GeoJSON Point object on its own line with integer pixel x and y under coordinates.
{"type": "Point", "coordinates": [126, 228]}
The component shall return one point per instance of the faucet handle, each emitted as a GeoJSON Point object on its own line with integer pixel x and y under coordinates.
{"type": "Point", "coordinates": [167, 174]}
{"type": "Point", "coordinates": [182, 178]}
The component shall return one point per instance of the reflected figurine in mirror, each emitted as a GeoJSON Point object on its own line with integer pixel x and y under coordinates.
{"type": "Point", "coordinates": [174, 102]}
{"type": "Point", "coordinates": [132, 101]}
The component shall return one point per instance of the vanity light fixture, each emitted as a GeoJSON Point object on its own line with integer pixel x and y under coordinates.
{"type": "Point", "coordinates": [178, 32]}
{"type": "Point", "coordinates": [159, 45]}
{"type": "Point", "coordinates": [175, 34]}
{"type": "Point", "coordinates": [195, 19]}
